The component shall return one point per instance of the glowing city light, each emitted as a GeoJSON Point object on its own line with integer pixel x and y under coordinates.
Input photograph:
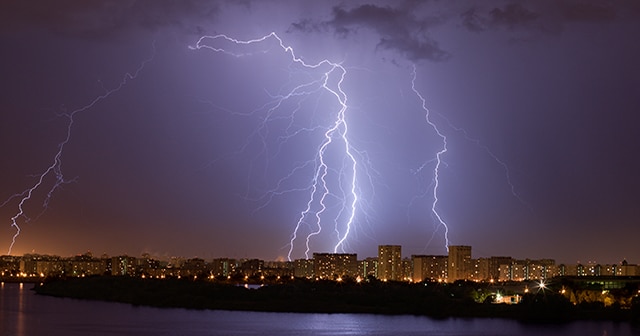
{"type": "Point", "coordinates": [542, 286]}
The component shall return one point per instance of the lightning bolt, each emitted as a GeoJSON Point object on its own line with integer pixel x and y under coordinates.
{"type": "Point", "coordinates": [326, 174]}
{"type": "Point", "coordinates": [438, 163]}
{"type": "Point", "coordinates": [438, 159]}
{"type": "Point", "coordinates": [55, 168]}
{"type": "Point", "coordinates": [488, 151]}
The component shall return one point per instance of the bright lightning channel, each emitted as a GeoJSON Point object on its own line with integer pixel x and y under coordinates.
{"type": "Point", "coordinates": [438, 158]}
{"type": "Point", "coordinates": [335, 136]}
{"type": "Point", "coordinates": [55, 168]}
{"type": "Point", "coordinates": [507, 172]}
{"type": "Point", "coordinates": [438, 163]}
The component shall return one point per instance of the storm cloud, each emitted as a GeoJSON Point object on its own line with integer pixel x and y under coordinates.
{"type": "Point", "coordinates": [398, 29]}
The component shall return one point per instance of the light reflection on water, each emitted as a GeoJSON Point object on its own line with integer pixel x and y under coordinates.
{"type": "Point", "coordinates": [23, 313]}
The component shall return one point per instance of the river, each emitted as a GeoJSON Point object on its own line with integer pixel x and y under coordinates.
{"type": "Point", "coordinates": [23, 313]}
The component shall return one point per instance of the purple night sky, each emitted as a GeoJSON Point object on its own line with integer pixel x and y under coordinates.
{"type": "Point", "coordinates": [204, 154]}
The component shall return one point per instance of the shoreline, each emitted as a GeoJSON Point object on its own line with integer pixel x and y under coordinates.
{"type": "Point", "coordinates": [430, 300]}
{"type": "Point", "coordinates": [34, 280]}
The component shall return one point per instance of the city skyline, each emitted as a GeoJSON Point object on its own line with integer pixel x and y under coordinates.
{"type": "Point", "coordinates": [388, 265]}
{"type": "Point", "coordinates": [395, 250]}
{"type": "Point", "coordinates": [510, 126]}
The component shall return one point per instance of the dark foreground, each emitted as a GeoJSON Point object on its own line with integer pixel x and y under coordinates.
{"type": "Point", "coordinates": [427, 299]}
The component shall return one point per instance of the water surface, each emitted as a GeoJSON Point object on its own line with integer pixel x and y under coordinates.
{"type": "Point", "coordinates": [23, 313]}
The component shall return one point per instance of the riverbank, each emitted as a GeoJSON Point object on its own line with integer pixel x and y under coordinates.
{"type": "Point", "coordinates": [425, 299]}
{"type": "Point", "coordinates": [13, 279]}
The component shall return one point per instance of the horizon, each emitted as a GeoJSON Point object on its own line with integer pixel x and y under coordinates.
{"type": "Point", "coordinates": [167, 258]}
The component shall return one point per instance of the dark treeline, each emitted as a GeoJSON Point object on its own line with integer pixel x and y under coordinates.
{"type": "Point", "coordinates": [439, 300]}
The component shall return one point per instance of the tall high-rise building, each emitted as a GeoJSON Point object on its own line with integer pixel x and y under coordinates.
{"type": "Point", "coordinates": [429, 267]}
{"type": "Point", "coordinates": [480, 269]}
{"type": "Point", "coordinates": [123, 265]}
{"type": "Point", "coordinates": [390, 262]}
{"type": "Point", "coordinates": [494, 266]}
{"type": "Point", "coordinates": [335, 265]}
{"type": "Point", "coordinates": [459, 263]}
{"type": "Point", "coordinates": [224, 266]}
{"type": "Point", "coordinates": [303, 268]}
{"type": "Point", "coordinates": [368, 267]}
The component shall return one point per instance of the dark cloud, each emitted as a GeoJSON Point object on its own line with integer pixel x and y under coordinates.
{"type": "Point", "coordinates": [306, 25]}
{"type": "Point", "coordinates": [545, 17]}
{"type": "Point", "coordinates": [399, 29]}
{"type": "Point", "coordinates": [586, 12]}
{"type": "Point", "coordinates": [103, 18]}
{"type": "Point", "coordinates": [415, 49]}
{"type": "Point", "coordinates": [512, 16]}
{"type": "Point", "coordinates": [473, 21]}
